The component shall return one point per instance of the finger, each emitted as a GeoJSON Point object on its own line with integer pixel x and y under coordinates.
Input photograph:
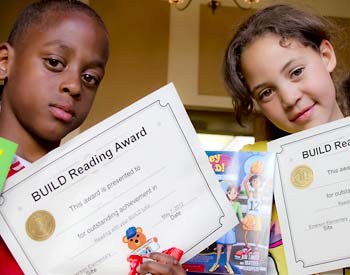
{"type": "Point", "coordinates": [161, 264]}
{"type": "Point", "coordinates": [163, 258]}
{"type": "Point", "coordinates": [160, 269]}
{"type": "Point", "coordinates": [155, 268]}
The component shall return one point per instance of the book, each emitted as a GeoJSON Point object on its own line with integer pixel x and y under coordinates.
{"type": "Point", "coordinates": [247, 180]}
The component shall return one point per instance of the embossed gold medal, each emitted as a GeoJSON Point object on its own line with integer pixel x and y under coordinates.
{"type": "Point", "coordinates": [40, 225]}
{"type": "Point", "coordinates": [302, 176]}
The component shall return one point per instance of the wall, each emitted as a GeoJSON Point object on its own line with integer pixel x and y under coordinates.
{"type": "Point", "coordinates": [138, 63]}
{"type": "Point", "coordinates": [8, 13]}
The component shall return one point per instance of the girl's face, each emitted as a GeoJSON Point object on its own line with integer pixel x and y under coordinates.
{"type": "Point", "coordinates": [291, 84]}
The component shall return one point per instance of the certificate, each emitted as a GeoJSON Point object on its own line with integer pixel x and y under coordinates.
{"type": "Point", "coordinates": [312, 194]}
{"type": "Point", "coordinates": [135, 183]}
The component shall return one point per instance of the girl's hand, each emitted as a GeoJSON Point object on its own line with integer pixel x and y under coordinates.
{"type": "Point", "coordinates": [162, 264]}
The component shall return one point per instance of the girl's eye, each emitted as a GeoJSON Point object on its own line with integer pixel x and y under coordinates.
{"type": "Point", "coordinates": [54, 64]}
{"type": "Point", "coordinates": [265, 94]}
{"type": "Point", "coordinates": [90, 80]}
{"type": "Point", "coordinates": [297, 72]}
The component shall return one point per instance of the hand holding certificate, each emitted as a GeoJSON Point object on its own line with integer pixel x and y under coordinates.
{"type": "Point", "coordinates": [137, 182]}
{"type": "Point", "coordinates": [312, 194]}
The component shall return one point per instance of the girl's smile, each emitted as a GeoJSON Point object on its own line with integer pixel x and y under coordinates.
{"type": "Point", "coordinates": [304, 115]}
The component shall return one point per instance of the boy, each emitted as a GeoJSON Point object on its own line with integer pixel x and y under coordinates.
{"type": "Point", "coordinates": [51, 66]}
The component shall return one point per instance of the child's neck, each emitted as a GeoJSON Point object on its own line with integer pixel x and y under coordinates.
{"type": "Point", "coordinates": [32, 150]}
{"type": "Point", "coordinates": [30, 147]}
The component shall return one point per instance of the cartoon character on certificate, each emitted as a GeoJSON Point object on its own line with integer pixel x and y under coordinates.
{"type": "Point", "coordinates": [138, 242]}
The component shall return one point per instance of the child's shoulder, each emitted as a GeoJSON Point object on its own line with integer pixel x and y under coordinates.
{"type": "Point", "coordinates": [260, 146]}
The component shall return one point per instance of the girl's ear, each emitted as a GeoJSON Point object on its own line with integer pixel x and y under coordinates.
{"type": "Point", "coordinates": [5, 53]}
{"type": "Point", "coordinates": [328, 55]}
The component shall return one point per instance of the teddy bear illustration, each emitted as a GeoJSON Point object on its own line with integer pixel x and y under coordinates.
{"type": "Point", "coordinates": [138, 242]}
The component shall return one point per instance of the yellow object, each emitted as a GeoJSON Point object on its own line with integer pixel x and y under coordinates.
{"type": "Point", "coordinates": [214, 267]}
{"type": "Point", "coordinates": [229, 269]}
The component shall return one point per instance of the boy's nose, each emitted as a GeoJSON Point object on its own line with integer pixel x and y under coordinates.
{"type": "Point", "coordinates": [72, 86]}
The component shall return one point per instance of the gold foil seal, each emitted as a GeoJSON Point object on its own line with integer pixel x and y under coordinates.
{"type": "Point", "coordinates": [40, 225]}
{"type": "Point", "coordinates": [302, 176]}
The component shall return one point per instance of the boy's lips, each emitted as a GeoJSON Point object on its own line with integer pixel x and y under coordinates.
{"type": "Point", "coordinates": [62, 112]}
{"type": "Point", "coordinates": [303, 115]}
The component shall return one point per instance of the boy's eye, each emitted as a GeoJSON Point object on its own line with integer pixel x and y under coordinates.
{"type": "Point", "coordinates": [90, 80]}
{"type": "Point", "coordinates": [54, 64]}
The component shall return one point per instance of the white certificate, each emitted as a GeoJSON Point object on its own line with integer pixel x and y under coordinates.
{"type": "Point", "coordinates": [312, 194]}
{"type": "Point", "coordinates": [135, 183]}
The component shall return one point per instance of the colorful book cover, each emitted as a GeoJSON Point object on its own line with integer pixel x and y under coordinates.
{"type": "Point", "coordinates": [247, 180]}
{"type": "Point", "coordinates": [7, 151]}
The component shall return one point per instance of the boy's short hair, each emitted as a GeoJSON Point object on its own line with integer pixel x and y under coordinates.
{"type": "Point", "coordinates": [36, 13]}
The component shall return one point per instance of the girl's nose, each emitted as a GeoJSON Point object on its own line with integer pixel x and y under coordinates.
{"type": "Point", "coordinates": [289, 96]}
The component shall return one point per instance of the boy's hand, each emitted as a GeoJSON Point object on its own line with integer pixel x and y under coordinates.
{"type": "Point", "coordinates": [162, 264]}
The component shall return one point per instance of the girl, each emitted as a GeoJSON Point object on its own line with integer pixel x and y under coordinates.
{"type": "Point", "coordinates": [282, 58]}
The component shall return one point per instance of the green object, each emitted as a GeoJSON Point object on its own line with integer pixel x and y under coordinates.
{"type": "Point", "coordinates": [7, 151]}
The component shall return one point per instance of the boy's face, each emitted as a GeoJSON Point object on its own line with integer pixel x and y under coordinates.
{"type": "Point", "coordinates": [53, 75]}
{"type": "Point", "coordinates": [291, 84]}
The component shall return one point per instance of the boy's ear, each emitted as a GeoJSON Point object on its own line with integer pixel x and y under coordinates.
{"type": "Point", "coordinates": [5, 51]}
{"type": "Point", "coordinates": [328, 55]}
